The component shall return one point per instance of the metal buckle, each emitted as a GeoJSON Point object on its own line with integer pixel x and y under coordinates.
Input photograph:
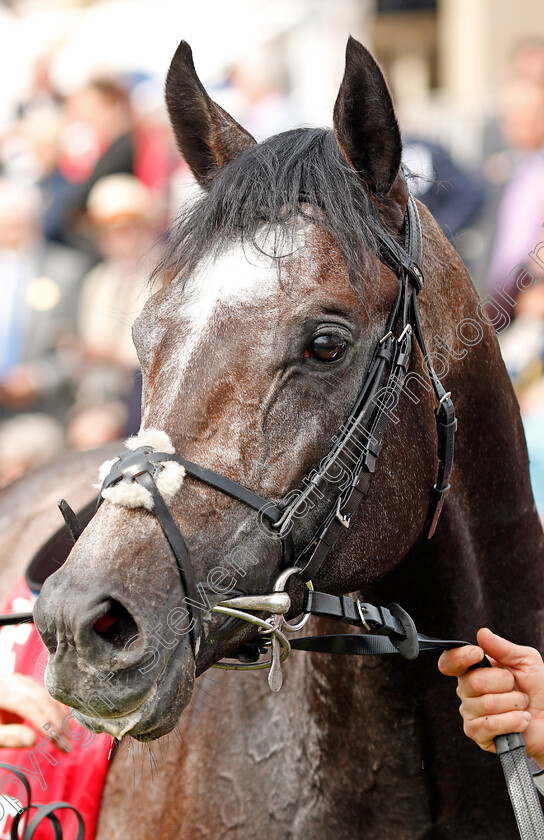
{"type": "Point", "coordinates": [386, 336]}
{"type": "Point", "coordinates": [406, 331]}
{"type": "Point", "coordinates": [361, 611]}
{"type": "Point", "coordinates": [343, 520]}
{"type": "Point", "coordinates": [444, 398]}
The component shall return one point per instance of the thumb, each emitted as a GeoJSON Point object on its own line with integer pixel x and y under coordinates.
{"type": "Point", "coordinates": [502, 650]}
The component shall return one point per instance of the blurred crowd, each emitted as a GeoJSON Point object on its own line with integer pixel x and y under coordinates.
{"type": "Point", "coordinates": [500, 206]}
{"type": "Point", "coordinates": [88, 184]}
{"type": "Point", "coordinates": [84, 185]}
{"type": "Point", "coordinates": [90, 180]}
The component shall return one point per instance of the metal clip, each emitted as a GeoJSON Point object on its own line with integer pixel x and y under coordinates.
{"type": "Point", "coordinates": [343, 520]}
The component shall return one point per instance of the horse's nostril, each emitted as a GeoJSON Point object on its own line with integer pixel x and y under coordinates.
{"type": "Point", "coordinates": [116, 624]}
{"type": "Point", "coordinates": [105, 622]}
{"type": "Point", "coordinates": [50, 640]}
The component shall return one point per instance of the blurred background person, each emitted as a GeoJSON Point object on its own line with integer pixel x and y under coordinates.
{"type": "Point", "coordinates": [43, 95]}
{"type": "Point", "coordinates": [156, 157]}
{"type": "Point", "coordinates": [522, 346]}
{"type": "Point", "coordinates": [526, 62]}
{"type": "Point", "coordinates": [40, 284]}
{"type": "Point", "coordinates": [42, 103]}
{"type": "Point", "coordinates": [124, 218]}
{"type": "Point", "coordinates": [520, 207]}
{"type": "Point", "coordinates": [257, 91]}
{"type": "Point", "coordinates": [453, 194]}
{"type": "Point", "coordinates": [97, 140]}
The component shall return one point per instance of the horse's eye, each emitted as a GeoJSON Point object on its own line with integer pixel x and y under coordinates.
{"type": "Point", "coordinates": [326, 348]}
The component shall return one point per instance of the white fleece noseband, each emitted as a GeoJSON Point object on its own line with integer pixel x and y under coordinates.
{"type": "Point", "coordinates": [131, 494]}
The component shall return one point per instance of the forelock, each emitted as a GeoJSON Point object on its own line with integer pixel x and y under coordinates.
{"type": "Point", "coordinates": [299, 174]}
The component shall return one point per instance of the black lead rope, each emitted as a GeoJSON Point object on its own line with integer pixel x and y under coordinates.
{"type": "Point", "coordinates": [43, 812]}
{"type": "Point", "coordinates": [396, 633]}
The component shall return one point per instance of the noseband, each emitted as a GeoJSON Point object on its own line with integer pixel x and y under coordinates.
{"type": "Point", "coordinates": [355, 451]}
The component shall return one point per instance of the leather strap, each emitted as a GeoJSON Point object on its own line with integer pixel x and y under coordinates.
{"type": "Point", "coordinates": [356, 644]}
{"type": "Point", "coordinates": [71, 520]}
{"type": "Point", "coordinates": [381, 392]}
{"type": "Point", "coordinates": [47, 812]}
{"type": "Point", "coordinates": [43, 812]}
{"type": "Point", "coordinates": [16, 618]}
{"type": "Point", "coordinates": [139, 465]}
{"type": "Point", "coordinates": [446, 426]}
{"type": "Point", "coordinates": [179, 550]}
{"type": "Point", "coordinates": [396, 632]}
{"type": "Point", "coordinates": [226, 485]}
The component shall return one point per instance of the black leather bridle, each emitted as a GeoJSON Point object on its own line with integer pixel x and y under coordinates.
{"type": "Point", "coordinates": [353, 455]}
{"type": "Point", "coordinates": [354, 452]}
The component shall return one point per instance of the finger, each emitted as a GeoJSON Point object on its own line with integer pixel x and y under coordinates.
{"type": "Point", "coordinates": [40, 710]}
{"type": "Point", "coordinates": [454, 663]}
{"type": "Point", "coordinates": [28, 699]}
{"type": "Point", "coordinates": [494, 704]}
{"type": "Point", "coordinates": [486, 681]}
{"type": "Point", "coordinates": [506, 652]}
{"type": "Point", "coordinates": [16, 735]}
{"type": "Point", "coordinates": [485, 729]}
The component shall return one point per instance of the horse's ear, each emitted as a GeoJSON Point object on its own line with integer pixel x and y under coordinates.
{"type": "Point", "coordinates": [365, 125]}
{"type": "Point", "coordinates": [206, 135]}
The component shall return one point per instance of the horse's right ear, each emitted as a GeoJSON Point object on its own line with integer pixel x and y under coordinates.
{"type": "Point", "coordinates": [364, 121]}
{"type": "Point", "coordinates": [206, 135]}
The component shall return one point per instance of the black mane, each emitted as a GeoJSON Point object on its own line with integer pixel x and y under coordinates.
{"type": "Point", "coordinates": [297, 173]}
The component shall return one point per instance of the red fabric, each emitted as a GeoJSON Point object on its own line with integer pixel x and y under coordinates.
{"type": "Point", "coordinates": [152, 159]}
{"type": "Point", "coordinates": [77, 777]}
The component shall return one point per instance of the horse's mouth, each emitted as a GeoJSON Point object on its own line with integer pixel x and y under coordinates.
{"type": "Point", "coordinates": [145, 723]}
{"type": "Point", "coordinates": [156, 715]}
{"type": "Point", "coordinates": [144, 715]}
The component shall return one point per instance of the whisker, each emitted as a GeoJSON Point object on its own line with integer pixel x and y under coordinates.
{"type": "Point", "coordinates": [206, 677]}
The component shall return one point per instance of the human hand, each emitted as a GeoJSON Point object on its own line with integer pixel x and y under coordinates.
{"type": "Point", "coordinates": [506, 698]}
{"type": "Point", "coordinates": [22, 696]}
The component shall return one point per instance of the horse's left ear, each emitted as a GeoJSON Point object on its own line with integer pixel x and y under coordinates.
{"type": "Point", "coordinates": [206, 135]}
{"type": "Point", "coordinates": [365, 125]}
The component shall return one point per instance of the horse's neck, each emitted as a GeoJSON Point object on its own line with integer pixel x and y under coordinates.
{"type": "Point", "coordinates": [483, 565]}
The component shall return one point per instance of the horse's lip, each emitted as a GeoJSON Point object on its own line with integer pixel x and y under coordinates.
{"type": "Point", "coordinates": [119, 726]}
{"type": "Point", "coordinates": [155, 713]}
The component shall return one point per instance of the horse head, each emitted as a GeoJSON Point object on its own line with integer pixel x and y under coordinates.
{"type": "Point", "coordinates": [253, 354]}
